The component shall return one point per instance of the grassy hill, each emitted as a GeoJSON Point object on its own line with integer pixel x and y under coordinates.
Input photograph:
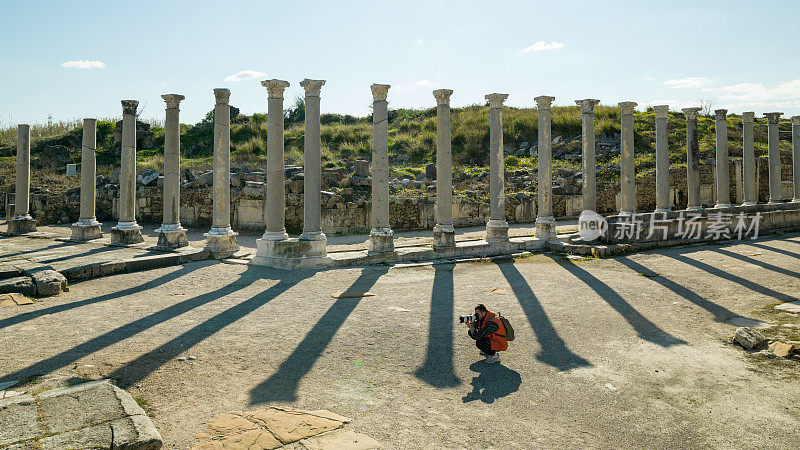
{"type": "Point", "coordinates": [412, 138]}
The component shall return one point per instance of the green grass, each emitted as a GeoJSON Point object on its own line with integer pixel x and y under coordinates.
{"type": "Point", "coordinates": [412, 138]}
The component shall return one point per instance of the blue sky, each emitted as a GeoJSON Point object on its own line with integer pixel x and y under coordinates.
{"type": "Point", "coordinates": [79, 59]}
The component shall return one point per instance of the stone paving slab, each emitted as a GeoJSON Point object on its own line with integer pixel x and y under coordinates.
{"type": "Point", "coordinates": [96, 414]}
{"type": "Point", "coordinates": [281, 428]}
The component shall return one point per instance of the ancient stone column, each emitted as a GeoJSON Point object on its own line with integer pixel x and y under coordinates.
{"type": "Point", "coordinates": [276, 194]}
{"type": "Point", "coordinates": [796, 158]}
{"type": "Point", "coordinates": [443, 232]}
{"type": "Point", "coordinates": [774, 155]}
{"type": "Point", "coordinates": [723, 163]}
{"type": "Point", "coordinates": [748, 160]}
{"type": "Point", "coordinates": [589, 160]}
{"type": "Point", "coordinates": [497, 227]}
{"type": "Point", "coordinates": [22, 222]}
{"type": "Point", "coordinates": [172, 234]}
{"type": "Point", "coordinates": [692, 160]}
{"type": "Point", "coordinates": [627, 162]}
{"type": "Point", "coordinates": [221, 239]}
{"type": "Point", "coordinates": [312, 169]}
{"type": "Point", "coordinates": [127, 230]}
{"type": "Point", "coordinates": [381, 237]}
{"type": "Point", "coordinates": [545, 222]}
{"type": "Point", "coordinates": [87, 227]}
{"type": "Point", "coordinates": [662, 159]}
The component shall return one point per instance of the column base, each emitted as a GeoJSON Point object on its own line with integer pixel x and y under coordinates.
{"type": "Point", "coordinates": [275, 235]}
{"type": "Point", "coordinates": [126, 236]}
{"type": "Point", "coordinates": [723, 205]}
{"type": "Point", "coordinates": [749, 203]}
{"type": "Point", "coordinates": [170, 240]}
{"type": "Point", "coordinates": [662, 210]}
{"type": "Point", "coordinates": [86, 230]}
{"type": "Point", "coordinates": [444, 236]}
{"type": "Point", "coordinates": [221, 242]}
{"type": "Point", "coordinates": [694, 208]}
{"type": "Point", "coordinates": [292, 253]}
{"type": "Point", "coordinates": [796, 200]}
{"type": "Point", "coordinates": [775, 202]}
{"type": "Point", "coordinates": [626, 213]}
{"type": "Point", "coordinates": [21, 224]}
{"type": "Point", "coordinates": [545, 227]}
{"type": "Point", "coordinates": [497, 230]}
{"type": "Point", "coordinates": [381, 240]}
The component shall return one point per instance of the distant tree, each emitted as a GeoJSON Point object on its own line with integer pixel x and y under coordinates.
{"type": "Point", "coordinates": [297, 112]}
{"type": "Point", "coordinates": [706, 107]}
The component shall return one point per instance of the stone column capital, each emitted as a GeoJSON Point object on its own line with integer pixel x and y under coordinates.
{"type": "Point", "coordinates": [720, 114]}
{"type": "Point", "coordinates": [748, 116]}
{"type": "Point", "coordinates": [129, 106]}
{"type": "Point", "coordinates": [661, 111]}
{"type": "Point", "coordinates": [627, 107]}
{"type": "Point", "coordinates": [442, 96]}
{"type": "Point", "coordinates": [796, 121]}
{"type": "Point", "coordinates": [275, 87]}
{"type": "Point", "coordinates": [691, 113]}
{"type": "Point", "coordinates": [312, 87]}
{"type": "Point", "coordinates": [495, 100]}
{"type": "Point", "coordinates": [222, 95]}
{"type": "Point", "coordinates": [173, 100]}
{"type": "Point", "coordinates": [587, 105]}
{"type": "Point", "coordinates": [544, 101]}
{"type": "Point", "coordinates": [772, 117]}
{"type": "Point", "coordinates": [379, 91]}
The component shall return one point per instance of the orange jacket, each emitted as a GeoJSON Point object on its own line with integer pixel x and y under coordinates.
{"type": "Point", "coordinates": [497, 340]}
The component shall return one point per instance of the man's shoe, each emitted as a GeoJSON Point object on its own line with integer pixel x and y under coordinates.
{"type": "Point", "coordinates": [492, 359]}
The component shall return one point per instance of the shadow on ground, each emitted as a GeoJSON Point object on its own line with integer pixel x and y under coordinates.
{"type": "Point", "coordinates": [493, 381]}
{"type": "Point", "coordinates": [282, 385]}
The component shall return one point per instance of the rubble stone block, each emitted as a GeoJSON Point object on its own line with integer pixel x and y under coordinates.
{"type": "Point", "coordinates": [749, 338]}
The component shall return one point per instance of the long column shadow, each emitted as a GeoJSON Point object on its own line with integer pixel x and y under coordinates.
{"type": "Point", "coordinates": [734, 278]}
{"type": "Point", "coordinates": [4, 257]}
{"type": "Point", "coordinates": [92, 251]}
{"type": "Point", "coordinates": [646, 329]}
{"type": "Point", "coordinates": [438, 370]}
{"type": "Point", "coordinates": [138, 369]}
{"type": "Point", "coordinates": [30, 315]}
{"type": "Point", "coordinates": [721, 314]}
{"type": "Point", "coordinates": [553, 350]}
{"type": "Point", "coordinates": [128, 330]}
{"type": "Point", "coordinates": [773, 249]}
{"type": "Point", "coordinates": [282, 385]}
{"type": "Point", "coordinates": [762, 264]}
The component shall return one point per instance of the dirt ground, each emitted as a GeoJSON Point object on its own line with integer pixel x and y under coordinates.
{"type": "Point", "coordinates": [626, 352]}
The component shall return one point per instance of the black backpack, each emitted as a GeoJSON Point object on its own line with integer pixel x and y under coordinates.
{"type": "Point", "coordinates": [508, 327]}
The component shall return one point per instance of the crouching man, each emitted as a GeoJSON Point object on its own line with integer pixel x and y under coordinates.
{"type": "Point", "coordinates": [489, 333]}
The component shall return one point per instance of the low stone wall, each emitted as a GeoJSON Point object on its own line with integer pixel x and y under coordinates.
{"type": "Point", "coordinates": [349, 212]}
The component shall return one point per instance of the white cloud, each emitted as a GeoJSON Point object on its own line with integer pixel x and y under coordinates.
{"type": "Point", "coordinates": [245, 75]}
{"type": "Point", "coordinates": [419, 41]}
{"type": "Point", "coordinates": [541, 46]}
{"type": "Point", "coordinates": [83, 64]}
{"type": "Point", "coordinates": [756, 95]}
{"type": "Point", "coordinates": [688, 83]}
{"type": "Point", "coordinates": [424, 83]}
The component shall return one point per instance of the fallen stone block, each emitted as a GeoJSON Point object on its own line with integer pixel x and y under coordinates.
{"type": "Point", "coordinates": [21, 285]}
{"type": "Point", "coordinates": [49, 282]}
{"type": "Point", "coordinates": [749, 338]}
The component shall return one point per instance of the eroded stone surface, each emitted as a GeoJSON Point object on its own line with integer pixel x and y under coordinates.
{"type": "Point", "coordinates": [279, 427]}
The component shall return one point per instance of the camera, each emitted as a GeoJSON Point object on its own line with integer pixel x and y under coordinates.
{"type": "Point", "coordinates": [469, 318]}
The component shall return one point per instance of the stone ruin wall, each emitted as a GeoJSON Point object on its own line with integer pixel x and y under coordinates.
{"type": "Point", "coordinates": [342, 215]}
